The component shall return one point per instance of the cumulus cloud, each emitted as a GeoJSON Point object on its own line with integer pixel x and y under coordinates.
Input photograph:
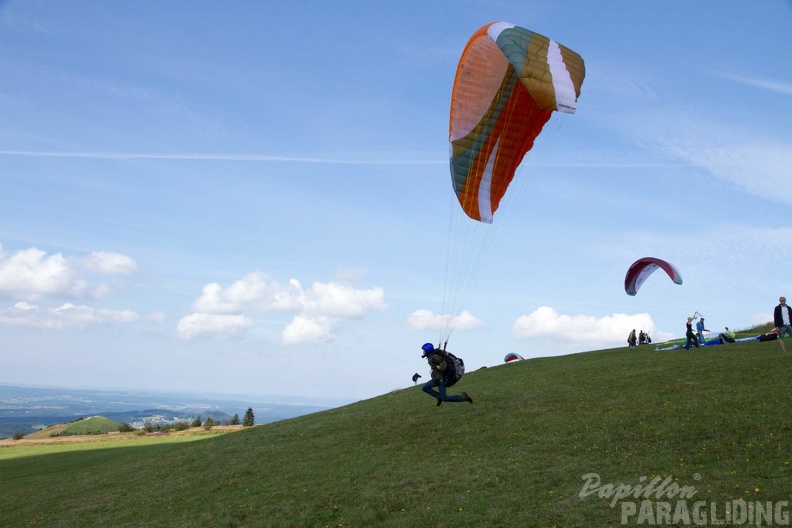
{"type": "Point", "coordinates": [428, 320]}
{"type": "Point", "coordinates": [608, 330]}
{"type": "Point", "coordinates": [109, 263]}
{"type": "Point", "coordinates": [320, 309]}
{"type": "Point", "coordinates": [342, 300]}
{"type": "Point", "coordinates": [198, 324]}
{"type": "Point", "coordinates": [67, 315]}
{"type": "Point", "coordinates": [255, 291]}
{"type": "Point", "coordinates": [304, 329]}
{"type": "Point", "coordinates": [32, 274]}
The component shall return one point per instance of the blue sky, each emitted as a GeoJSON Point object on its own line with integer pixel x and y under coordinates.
{"type": "Point", "coordinates": [255, 196]}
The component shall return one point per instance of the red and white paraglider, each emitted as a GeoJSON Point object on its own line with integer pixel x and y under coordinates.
{"type": "Point", "coordinates": [642, 268]}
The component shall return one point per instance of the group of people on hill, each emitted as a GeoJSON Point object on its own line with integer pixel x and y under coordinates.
{"type": "Point", "coordinates": [438, 361]}
{"type": "Point", "coordinates": [782, 320]}
{"type": "Point", "coordinates": [642, 339]}
{"type": "Point", "coordinates": [692, 339]}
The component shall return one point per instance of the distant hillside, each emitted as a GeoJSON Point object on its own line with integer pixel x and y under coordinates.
{"type": "Point", "coordinates": [87, 426]}
{"type": "Point", "coordinates": [713, 420]}
{"type": "Point", "coordinates": [29, 409]}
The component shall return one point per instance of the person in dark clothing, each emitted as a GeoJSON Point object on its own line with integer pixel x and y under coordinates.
{"type": "Point", "coordinates": [438, 364]}
{"type": "Point", "coordinates": [691, 337]}
{"type": "Point", "coordinates": [782, 318]}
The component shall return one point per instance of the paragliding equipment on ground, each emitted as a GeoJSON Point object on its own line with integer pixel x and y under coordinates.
{"type": "Point", "coordinates": [509, 82]}
{"type": "Point", "coordinates": [512, 356]}
{"type": "Point", "coordinates": [727, 336]}
{"type": "Point", "coordinates": [641, 269]}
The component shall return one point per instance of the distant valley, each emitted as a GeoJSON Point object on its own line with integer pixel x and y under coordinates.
{"type": "Point", "coordinates": [28, 409]}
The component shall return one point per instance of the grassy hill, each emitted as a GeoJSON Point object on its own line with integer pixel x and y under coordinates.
{"type": "Point", "coordinates": [715, 421]}
{"type": "Point", "coordinates": [84, 426]}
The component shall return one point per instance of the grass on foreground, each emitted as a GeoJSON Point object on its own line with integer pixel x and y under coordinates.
{"type": "Point", "coordinates": [715, 419]}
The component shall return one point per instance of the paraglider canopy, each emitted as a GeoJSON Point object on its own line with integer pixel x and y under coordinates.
{"type": "Point", "coordinates": [508, 83]}
{"type": "Point", "coordinates": [511, 356]}
{"type": "Point", "coordinates": [642, 268]}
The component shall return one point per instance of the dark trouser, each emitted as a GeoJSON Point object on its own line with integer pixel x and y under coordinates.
{"type": "Point", "coordinates": [429, 386]}
{"type": "Point", "coordinates": [691, 340]}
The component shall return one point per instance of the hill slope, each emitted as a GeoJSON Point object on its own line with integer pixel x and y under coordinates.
{"type": "Point", "coordinates": [714, 420]}
{"type": "Point", "coordinates": [86, 426]}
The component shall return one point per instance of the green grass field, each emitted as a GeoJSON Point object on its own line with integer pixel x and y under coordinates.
{"type": "Point", "coordinates": [713, 420]}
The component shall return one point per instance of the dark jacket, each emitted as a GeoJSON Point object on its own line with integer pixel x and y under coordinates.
{"type": "Point", "coordinates": [434, 359]}
{"type": "Point", "coordinates": [777, 317]}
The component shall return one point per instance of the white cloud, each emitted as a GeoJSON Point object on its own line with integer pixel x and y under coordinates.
{"type": "Point", "coordinates": [320, 309]}
{"type": "Point", "coordinates": [772, 86]}
{"type": "Point", "coordinates": [157, 317]}
{"type": "Point", "coordinates": [257, 292]}
{"type": "Point", "coordinates": [63, 317]}
{"type": "Point", "coordinates": [304, 329]}
{"type": "Point", "coordinates": [761, 170]}
{"type": "Point", "coordinates": [254, 291]}
{"type": "Point", "coordinates": [109, 263]}
{"type": "Point", "coordinates": [756, 162]}
{"type": "Point", "coordinates": [342, 300]}
{"type": "Point", "coordinates": [198, 324]}
{"type": "Point", "coordinates": [609, 330]}
{"type": "Point", "coordinates": [29, 274]}
{"type": "Point", "coordinates": [427, 320]}
{"type": "Point", "coordinates": [352, 159]}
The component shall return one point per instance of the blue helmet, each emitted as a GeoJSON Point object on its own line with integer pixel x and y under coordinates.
{"type": "Point", "coordinates": [428, 348]}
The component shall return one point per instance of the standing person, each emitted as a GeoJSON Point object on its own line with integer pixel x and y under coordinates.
{"type": "Point", "coordinates": [782, 318]}
{"type": "Point", "coordinates": [438, 364]}
{"type": "Point", "coordinates": [700, 331]}
{"type": "Point", "coordinates": [691, 337]}
{"type": "Point", "coordinates": [631, 339]}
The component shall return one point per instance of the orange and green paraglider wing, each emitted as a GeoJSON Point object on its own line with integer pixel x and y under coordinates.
{"type": "Point", "coordinates": [508, 82]}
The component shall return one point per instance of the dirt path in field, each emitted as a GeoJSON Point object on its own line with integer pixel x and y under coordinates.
{"type": "Point", "coordinates": [112, 437]}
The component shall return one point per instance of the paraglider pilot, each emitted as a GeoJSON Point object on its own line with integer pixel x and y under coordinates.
{"type": "Point", "coordinates": [691, 337]}
{"type": "Point", "coordinates": [782, 318]}
{"type": "Point", "coordinates": [438, 364]}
